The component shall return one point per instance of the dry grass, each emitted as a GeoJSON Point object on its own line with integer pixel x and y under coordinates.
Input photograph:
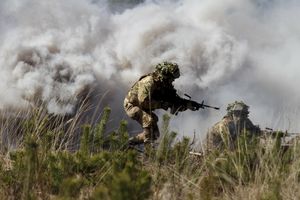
{"type": "Point", "coordinates": [54, 157]}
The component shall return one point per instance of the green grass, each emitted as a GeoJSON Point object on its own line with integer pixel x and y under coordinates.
{"type": "Point", "coordinates": [41, 165]}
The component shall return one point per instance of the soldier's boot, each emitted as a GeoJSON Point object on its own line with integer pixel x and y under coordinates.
{"type": "Point", "coordinates": [141, 138]}
{"type": "Point", "coordinates": [150, 143]}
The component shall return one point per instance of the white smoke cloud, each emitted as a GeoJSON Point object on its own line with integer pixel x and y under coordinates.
{"type": "Point", "coordinates": [52, 52]}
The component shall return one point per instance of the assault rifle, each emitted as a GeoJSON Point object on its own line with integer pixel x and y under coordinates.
{"type": "Point", "coordinates": [197, 105]}
{"type": "Point", "coordinates": [286, 138]}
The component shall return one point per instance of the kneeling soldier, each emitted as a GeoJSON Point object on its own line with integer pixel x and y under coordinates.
{"type": "Point", "coordinates": [154, 91]}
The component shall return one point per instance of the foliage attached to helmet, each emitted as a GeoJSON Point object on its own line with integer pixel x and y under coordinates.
{"type": "Point", "coordinates": [168, 70]}
{"type": "Point", "coordinates": [238, 107]}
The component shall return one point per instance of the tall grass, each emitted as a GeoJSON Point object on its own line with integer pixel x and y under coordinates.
{"type": "Point", "coordinates": [56, 158]}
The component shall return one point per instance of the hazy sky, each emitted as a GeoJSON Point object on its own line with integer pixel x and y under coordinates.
{"type": "Point", "coordinates": [53, 51]}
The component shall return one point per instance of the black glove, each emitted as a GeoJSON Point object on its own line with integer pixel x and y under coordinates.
{"type": "Point", "coordinates": [192, 105]}
{"type": "Point", "coordinates": [165, 105]}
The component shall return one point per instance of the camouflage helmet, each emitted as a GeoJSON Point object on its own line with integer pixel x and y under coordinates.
{"type": "Point", "coordinates": [238, 107]}
{"type": "Point", "coordinates": [168, 70]}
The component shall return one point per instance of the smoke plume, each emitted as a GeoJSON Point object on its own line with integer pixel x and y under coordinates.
{"type": "Point", "coordinates": [54, 52]}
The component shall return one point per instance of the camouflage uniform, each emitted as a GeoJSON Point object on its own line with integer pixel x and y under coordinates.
{"type": "Point", "coordinates": [150, 92]}
{"type": "Point", "coordinates": [224, 133]}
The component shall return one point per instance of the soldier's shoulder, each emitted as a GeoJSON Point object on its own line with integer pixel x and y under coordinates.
{"type": "Point", "coordinates": [221, 124]}
{"type": "Point", "coordinates": [226, 120]}
{"type": "Point", "coordinates": [148, 79]}
{"type": "Point", "coordinates": [217, 125]}
{"type": "Point", "coordinates": [248, 121]}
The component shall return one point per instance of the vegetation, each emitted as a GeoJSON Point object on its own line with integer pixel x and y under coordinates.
{"type": "Point", "coordinates": [45, 165]}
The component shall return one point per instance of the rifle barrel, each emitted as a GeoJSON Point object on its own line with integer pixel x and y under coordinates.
{"type": "Point", "coordinates": [211, 107]}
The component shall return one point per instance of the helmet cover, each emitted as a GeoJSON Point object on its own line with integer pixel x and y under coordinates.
{"type": "Point", "coordinates": [238, 107]}
{"type": "Point", "coordinates": [168, 70]}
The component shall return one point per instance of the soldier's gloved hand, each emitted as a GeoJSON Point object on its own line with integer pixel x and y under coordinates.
{"type": "Point", "coordinates": [192, 105]}
{"type": "Point", "coordinates": [165, 105]}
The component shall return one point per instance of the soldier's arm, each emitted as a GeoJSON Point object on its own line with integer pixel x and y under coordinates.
{"type": "Point", "coordinates": [175, 102]}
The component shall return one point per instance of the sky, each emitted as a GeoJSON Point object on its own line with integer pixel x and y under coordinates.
{"type": "Point", "coordinates": [53, 53]}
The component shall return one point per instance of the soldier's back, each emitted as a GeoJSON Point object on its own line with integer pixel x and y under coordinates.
{"type": "Point", "coordinates": [218, 134]}
{"type": "Point", "coordinates": [224, 133]}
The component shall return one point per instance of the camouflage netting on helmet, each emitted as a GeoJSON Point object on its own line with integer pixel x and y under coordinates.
{"type": "Point", "coordinates": [168, 70]}
{"type": "Point", "coordinates": [237, 106]}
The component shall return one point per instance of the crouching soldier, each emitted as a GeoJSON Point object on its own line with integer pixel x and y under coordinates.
{"type": "Point", "coordinates": [154, 91]}
{"type": "Point", "coordinates": [236, 121]}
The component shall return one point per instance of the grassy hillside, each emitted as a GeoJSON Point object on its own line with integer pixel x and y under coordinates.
{"type": "Point", "coordinates": [42, 166]}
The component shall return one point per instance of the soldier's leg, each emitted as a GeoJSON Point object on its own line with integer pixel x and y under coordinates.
{"type": "Point", "coordinates": [154, 128]}
{"type": "Point", "coordinates": [135, 113]}
{"type": "Point", "coordinates": [148, 122]}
